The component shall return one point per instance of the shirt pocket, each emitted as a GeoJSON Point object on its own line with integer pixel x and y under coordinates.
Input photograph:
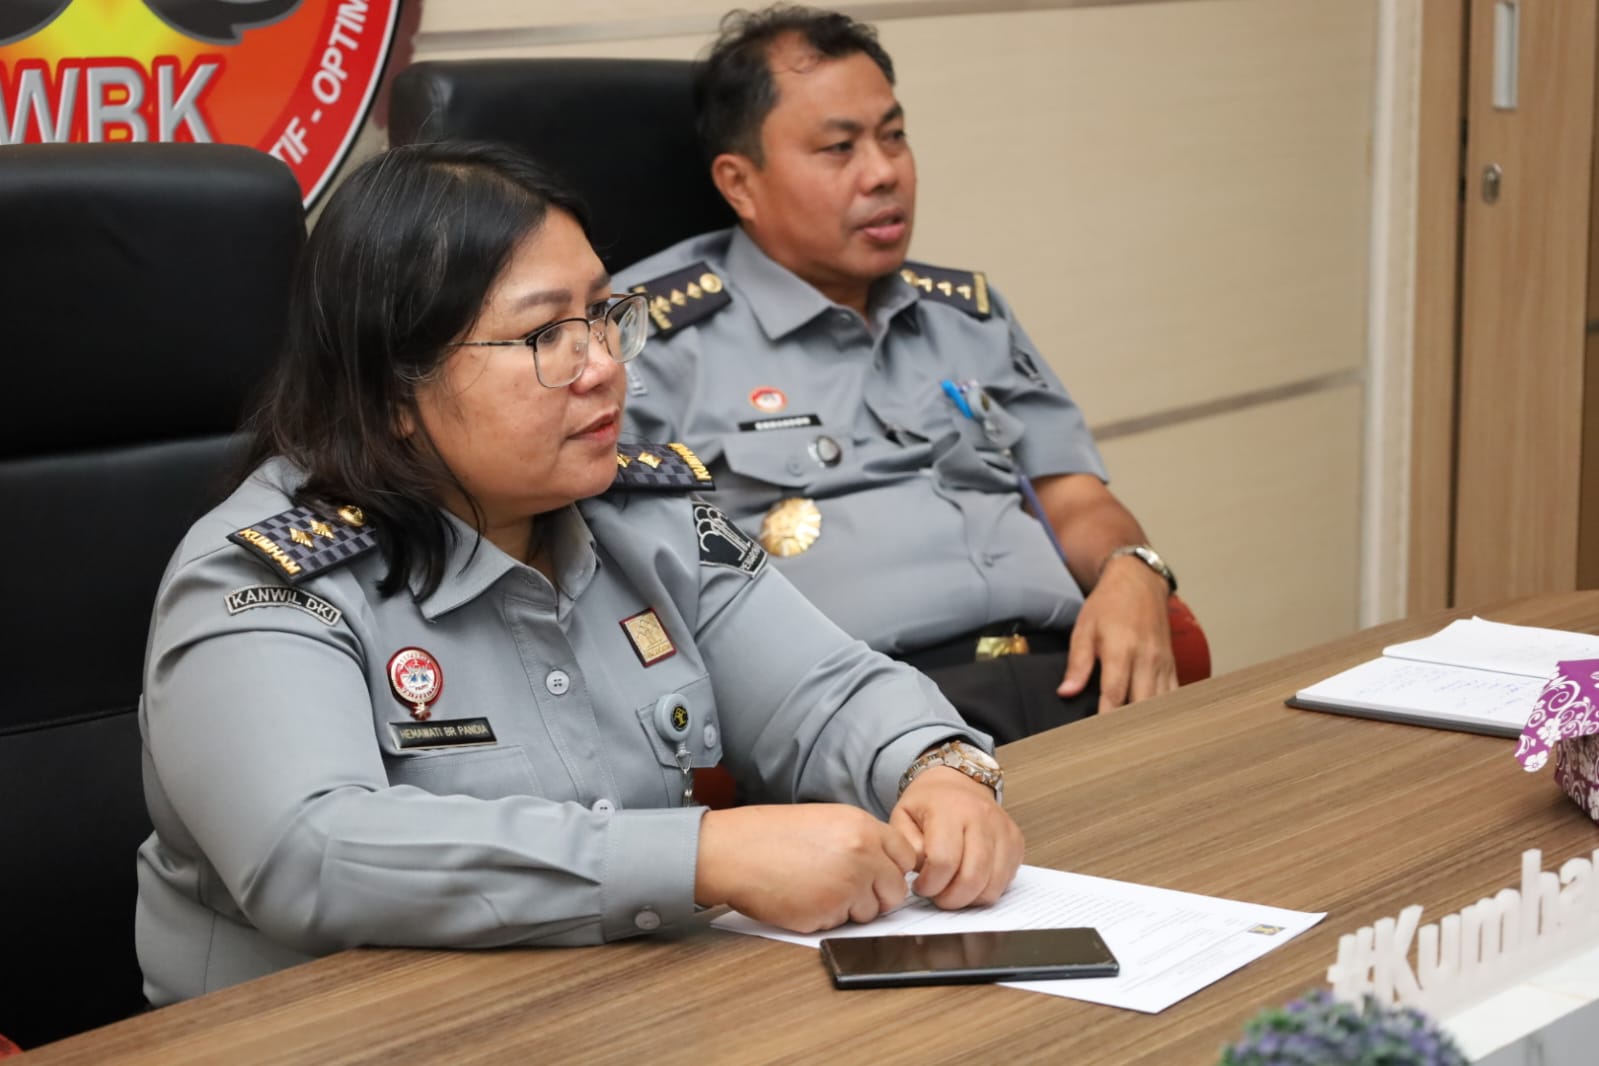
{"type": "Point", "coordinates": [483, 773]}
{"type": "Point", "coordinates": [702, 732]}
{"type": "Point", "coordinates": [778, 457]}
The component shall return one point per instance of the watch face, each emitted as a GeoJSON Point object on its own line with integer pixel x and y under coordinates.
{"type": "Point", "coordinates": [972, 753]}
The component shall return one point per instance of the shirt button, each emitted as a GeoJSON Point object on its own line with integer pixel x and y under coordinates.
{"type": "Point", "coordinates": [647, 920]}
{"type": "Point", "coordinates": [557, 682]}
{"type": "Point", "coordinates": [988, 559]}
{"type": "Point", "coordinates": [603, 806]}
{"type": "Point", "coordinates": [796, 467]}
{"type": "Point", "coordinates": [710, 735]}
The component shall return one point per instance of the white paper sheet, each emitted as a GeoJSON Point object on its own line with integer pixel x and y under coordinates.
{"type": "Point", "coordinates": [1170, 944]}
{"type": "Point", "coordinates": [1483, 645]}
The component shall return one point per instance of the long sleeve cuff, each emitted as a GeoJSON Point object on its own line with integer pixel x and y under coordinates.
{"type": "Point", "coordinates": [896, 758]}
{"type": "Point", "coordinates": [650, 862]}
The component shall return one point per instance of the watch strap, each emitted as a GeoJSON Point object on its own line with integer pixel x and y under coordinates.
{"type": "Point", "coordinates": [959, 755]}
{"type": "Point", "coordinates": [1150, 558]}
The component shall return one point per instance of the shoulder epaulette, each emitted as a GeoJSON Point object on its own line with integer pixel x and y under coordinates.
{"type": "Point", "coordinates": [299, 544]}
{"type": "Point", "coordinates": [965, 289]}
{"type": "Point", "coordinates": [684, 297]}
{"type": "Point", "coordinates": [659, 468]}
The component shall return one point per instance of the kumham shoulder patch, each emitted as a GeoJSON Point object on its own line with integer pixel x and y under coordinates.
{"type": "Point", "coordinates": [299, 543]}
{"type": "Point", "coordinates": [659, 468]}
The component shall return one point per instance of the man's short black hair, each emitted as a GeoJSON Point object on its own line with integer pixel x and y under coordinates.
{"type": "Point", "coordinates": [733, 86]}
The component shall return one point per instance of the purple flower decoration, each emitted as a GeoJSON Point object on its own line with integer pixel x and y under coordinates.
{"type": "Point", "coordinates": [1318, 1030]}
{"type": "Point", "coordinates": [1565, 723]}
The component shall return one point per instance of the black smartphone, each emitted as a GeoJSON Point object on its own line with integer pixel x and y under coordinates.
{"type": "Point", "coordinates": [964, 958]}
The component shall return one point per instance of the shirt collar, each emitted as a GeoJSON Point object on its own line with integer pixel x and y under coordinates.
{"type": "Point", "coordinates": [782, 301]}
{"type": "Point", "coordinates": [474, 564]}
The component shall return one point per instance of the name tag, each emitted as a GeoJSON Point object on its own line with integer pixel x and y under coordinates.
{"type": "Point", "coordinates": [445, 733]}
{"type": "Point", "coordinates": [761, 425]}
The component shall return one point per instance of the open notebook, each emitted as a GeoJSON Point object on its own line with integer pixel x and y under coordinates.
{"type": "Point", "coordinates": [1472, 675]}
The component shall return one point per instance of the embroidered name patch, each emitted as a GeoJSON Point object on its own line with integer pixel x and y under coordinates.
{"type": "Point", "coordinates": [724, 544]}
{"type": "Point", "coordinates": [761, 425]}
{"type": "Point", "coordinates": [278, 596]}
{"type": "Point", "coordinates": [445, 733]}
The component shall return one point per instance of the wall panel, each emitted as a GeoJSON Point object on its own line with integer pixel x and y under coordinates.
{"type": "Point", "coordinates": [1258, 512]}
{"type": "Point", "coordinates": [1176, 197]}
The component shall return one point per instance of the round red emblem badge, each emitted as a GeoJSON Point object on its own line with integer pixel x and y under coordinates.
{"type": "Point", "coordinates": [417, 680]}
{"type": "Point", "coordinates": [768, 399]}
{"type": "Point", "coordinates": [293, 78]}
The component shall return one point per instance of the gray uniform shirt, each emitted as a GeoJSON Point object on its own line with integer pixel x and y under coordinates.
{"type": "Point", "coordinates": [291, 821]}
{"type": "Point", "coordinates": [923, 536]}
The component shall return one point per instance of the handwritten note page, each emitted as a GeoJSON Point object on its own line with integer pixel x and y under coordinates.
{"type": "Point", "coordinates": [1455, 693]}
{"type": "Point", "coordinates": [1483, 645]}
{"type": "Point", "coordinates": [1170, 944]}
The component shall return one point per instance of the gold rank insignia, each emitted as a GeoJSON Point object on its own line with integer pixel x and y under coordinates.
{"type": "Point", "coordinates": [965, 289]}
{"type": "Point", "coordinates": [648, 637]}
{"type": "Point", "coordinates": [298, 544]}
{"type": "Point", "coordinates": [661, 467]}
{"type": "Point", "coordinates": [791, 526]}
{"type": "Point", "coordinates": [684, 297]}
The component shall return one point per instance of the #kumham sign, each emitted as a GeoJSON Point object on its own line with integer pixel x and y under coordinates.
{"type": "Point", "coordinates": [293, 78]}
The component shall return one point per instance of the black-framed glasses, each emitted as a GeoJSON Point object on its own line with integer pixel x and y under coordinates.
{"type": "Point", "coordinates": [561, 349]}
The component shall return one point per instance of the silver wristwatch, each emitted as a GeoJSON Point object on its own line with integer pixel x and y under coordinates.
{"type": "Point", "coordinates": [1150, 558]}
{"type": "Point", "coordinates": [969, 759]}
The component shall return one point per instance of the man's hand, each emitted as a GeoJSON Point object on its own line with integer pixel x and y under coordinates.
{"type": "Point", "coordinates": [804, 867]}
{"type": "Point", "coordinates": [1124, 626]}
{"type": "Point", "coordinates": [968, 846]}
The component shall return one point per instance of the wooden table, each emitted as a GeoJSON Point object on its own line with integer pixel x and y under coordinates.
{"type": "Point", "coordinates": [1217, 789]}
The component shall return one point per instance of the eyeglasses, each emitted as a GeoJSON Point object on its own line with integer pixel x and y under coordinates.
{"type": "Point", "coordinates": [561, 349]}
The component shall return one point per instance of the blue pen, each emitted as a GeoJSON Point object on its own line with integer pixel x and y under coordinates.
{"type": "Point", "coordinates": [953, 391]}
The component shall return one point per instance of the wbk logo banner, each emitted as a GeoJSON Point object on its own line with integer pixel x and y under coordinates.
{"type": "Point", "coordinates": [294, 78]}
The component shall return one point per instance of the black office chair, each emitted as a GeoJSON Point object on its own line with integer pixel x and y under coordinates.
{"type": "Point", "coordinates": [620, 131]}
{"type": "Point", "coordinates": [141, 294]}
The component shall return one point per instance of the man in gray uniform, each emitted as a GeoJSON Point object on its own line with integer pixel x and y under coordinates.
{"type": "Point", "coordinates": [880, 425]}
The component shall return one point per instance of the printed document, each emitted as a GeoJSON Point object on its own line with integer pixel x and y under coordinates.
{"type": "Point", "coordinates": [1170, 944]}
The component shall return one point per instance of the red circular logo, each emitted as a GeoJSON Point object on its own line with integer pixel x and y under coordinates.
{"type": "Point", "coordinates": [417, 680]}
{"type": "Point", "coordinates": [293, 78]}
{"type": "Point", "coordinates": [768, 399]}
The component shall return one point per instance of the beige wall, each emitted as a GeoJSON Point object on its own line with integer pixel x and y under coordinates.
{"type": "Point", "coordinates": [1176, 197]}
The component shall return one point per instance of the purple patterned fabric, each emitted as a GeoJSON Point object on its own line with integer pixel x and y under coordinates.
{"type": "Point", "coordinates": [1566, 722]}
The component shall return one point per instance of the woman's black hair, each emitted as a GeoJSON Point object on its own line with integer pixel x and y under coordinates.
{"type": "Point", "coordinates": [397, 268]}
{"type": "Point", "coordinates": [733, 86]}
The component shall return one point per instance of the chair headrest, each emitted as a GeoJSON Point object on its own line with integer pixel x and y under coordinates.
{"type": "Point", "coordinates": [142, 289]}
{"type": "Point", "coordinates": [619, 131]}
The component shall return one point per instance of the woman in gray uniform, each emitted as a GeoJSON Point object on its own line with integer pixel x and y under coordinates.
{"type": "Point", "coordinates": [437, 673]}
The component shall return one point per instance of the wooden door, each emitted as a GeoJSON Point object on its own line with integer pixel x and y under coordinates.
{"type": "Point", "coordinates": [1523, 301]}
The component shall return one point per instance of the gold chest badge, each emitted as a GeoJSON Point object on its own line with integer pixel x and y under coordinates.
{"type": "Point", "coordinates": [791, 526]}
{"type": "Point", "coordinates": [650, 641]}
